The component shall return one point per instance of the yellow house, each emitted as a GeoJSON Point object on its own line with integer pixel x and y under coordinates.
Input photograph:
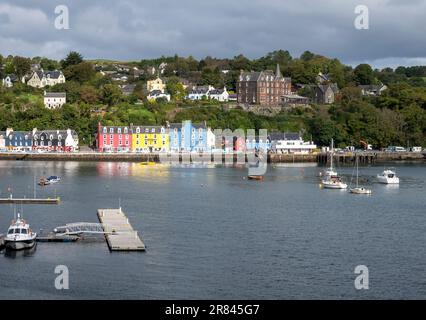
{"type": "Point", "coordinates": [150, 139]}
{"type": "Point", "coordinates": [156, 85]}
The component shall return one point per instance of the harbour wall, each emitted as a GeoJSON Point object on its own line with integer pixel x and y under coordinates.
{"type": "Point", "coordinates": [348, 157]}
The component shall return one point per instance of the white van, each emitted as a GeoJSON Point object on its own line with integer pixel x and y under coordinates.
{"type": "Point", "coordinates": [416, 149]}
{"type": "Point", "coordinates": [400, 149]}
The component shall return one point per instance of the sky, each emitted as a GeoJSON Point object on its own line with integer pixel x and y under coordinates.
{"type": "Point", "coordinates": [138, 29]}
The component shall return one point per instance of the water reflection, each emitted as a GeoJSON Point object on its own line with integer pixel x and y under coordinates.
{"type": "Point", "coordinates": [15, 254]}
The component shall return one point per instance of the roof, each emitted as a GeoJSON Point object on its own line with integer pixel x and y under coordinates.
{"type": "Point", "coordinates": [284, 136]}
{"type": "Point", "coordinates": [371, 87]}
{"type": "Point", "coordinates": [324, 87]}
{"type": "Point", "coordinates": [55, 95]}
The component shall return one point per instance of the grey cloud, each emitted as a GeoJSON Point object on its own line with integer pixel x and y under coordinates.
{"type": "Point", "coordinates": [131, 29]}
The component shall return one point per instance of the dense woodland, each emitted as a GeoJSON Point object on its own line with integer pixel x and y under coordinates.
{"type": "Point", "coordinates": [397, 117]}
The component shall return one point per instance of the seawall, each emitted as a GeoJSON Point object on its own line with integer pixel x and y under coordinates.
{"type": "Point", "coordinates": [348, 157]}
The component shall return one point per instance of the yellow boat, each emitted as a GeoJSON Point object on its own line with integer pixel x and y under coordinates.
{"type": "Point", "coordinates": [148, 163]}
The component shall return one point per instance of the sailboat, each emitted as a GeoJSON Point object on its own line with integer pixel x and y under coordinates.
{"type": "Point", "coordinates": [332, 179]}
{"type": "Point", "coordinates": [358, 189]}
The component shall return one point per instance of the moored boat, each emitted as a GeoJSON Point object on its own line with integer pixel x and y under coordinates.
{"type": "Point", "coordinates": [332, 179]}
{"type": "Point", "coordinates": [358, 189]}
{"type": "Point", "coordinates": [388, 177]}
{"type": "Point", "coordinates": [19, 235]}
{"type": "Point", "coordinates": [254, 177]}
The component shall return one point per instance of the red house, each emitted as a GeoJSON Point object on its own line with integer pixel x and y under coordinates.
{"type": "Point", "coordinates": [113, 139]}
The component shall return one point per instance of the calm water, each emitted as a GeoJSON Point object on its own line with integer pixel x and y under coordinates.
{"type": "Point", "coordinates": [211, 234]}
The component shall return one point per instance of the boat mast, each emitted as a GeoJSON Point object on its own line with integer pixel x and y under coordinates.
{"type": "Point", "coordinates": [356, 160]}
{"type": "Point", "coordinates": [332, 153]}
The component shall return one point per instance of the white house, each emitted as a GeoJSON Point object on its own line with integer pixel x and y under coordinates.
{"type": "Point", "coordinates": [157, 94]}
{"type": "Point", "coordinates": [53, 100]}
{"type": "Point", "coordinates": [290, 143]}
{"type": "Point", "coordinates": [9, 80]}
{"type": "Point", "coordinates": [200, 93]}
{"type": "Point", "coordinates": [71, 141]}
{"type": "Point", "coordinates": [41, 79]}
{"type": "Point", "coordinates": [219, 94]}
{"type": "Point", "coordinates": [372, 90]}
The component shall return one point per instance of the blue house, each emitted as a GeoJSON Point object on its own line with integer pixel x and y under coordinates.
{"type": "Point", "coordinates": [18, 140]}
{"type": "Point", "coordinates": [258, 144]}
{"type": "Point", "coordinates": [189, 137]}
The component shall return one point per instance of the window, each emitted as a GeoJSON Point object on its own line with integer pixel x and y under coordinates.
{"type": "Point", "coordinates": [126, 130]}
{"type": "Point", "coordinates": [10, 231]}
{"type": "Point", "coordinates": [24, 231]}
{"type": "Point", "coordinates": [120, 136]}
{"type": "Point", "coordinates": [127, 142]}
{"type": "Point", "coordinates": [127, 137]}
{"type": "Point", "coordinates": [105, 136]}
{"type": "Point", "coordinates": [111, 130]}
{"type": "Point", "coordinates": [111, 137]}
{"type": "Point", "coordinates": [119, 130]}
{"type": "Point", "coordinates": [138, 130]}
{"type": "Point", "coordinates": [59, 144]}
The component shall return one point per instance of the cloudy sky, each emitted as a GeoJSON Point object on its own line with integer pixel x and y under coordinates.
{"type": "Point", "coordinates": [136, 29]}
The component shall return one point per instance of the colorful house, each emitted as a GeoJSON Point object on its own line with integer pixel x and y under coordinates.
{"type": "Point", "coordinates": [55, 140]}
{"type": "Point", "coordinates": [114, 138]}
{"type": "Point", "coordinates": [191, 137]}
{"type": "Point", "coordinates": [18, 140]}
{"type": "Point", "coordinates": [150, 139]}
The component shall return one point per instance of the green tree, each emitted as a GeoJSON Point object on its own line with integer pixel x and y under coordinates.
{"type": "Point", "coordinates": [175, 88]}
{"type": "Point", "coordinates": [364, 74]}
{"type": "Point", "coordinates": [72, 58]}
{"type": "Point", "coordinates": [111, 94]}
{"type": "Point", "coordinates": [22, 66]}
{"type": "Point", "coordinates": [82, 72]}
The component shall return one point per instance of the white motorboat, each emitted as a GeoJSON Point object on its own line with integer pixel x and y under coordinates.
{"type": "Point", "coordinates": [388, 177]}
{"type": "Point", "coordinates": [332, 179]}
{"type": "Point", "coordinates": [358, 189]}
{"type": "Point", "coordinates": [20, 236]}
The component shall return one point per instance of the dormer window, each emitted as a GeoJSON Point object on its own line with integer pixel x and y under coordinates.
{"type": "Point", "coordinates": [105, 130]}
{"type": "Point", "coordinates": [111, 130]}
{"type": "Point", "coordinates": [138, 130]}
{"type": "Point", "coordinates": [119, 130]}
{"type": "Point", "coordinates": [51, 137]}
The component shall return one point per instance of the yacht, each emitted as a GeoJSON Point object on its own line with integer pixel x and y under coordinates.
{"type": "Point", "coordinates": [20, 236]}
{"type": "Point", "coordinates": [388, 177]}
{"type": "Point", "coordinates": [54, 179]}
{"type": "Point", "coordinates": [358, 189]}
{"type": "Point", "coordinates": [332, 179]}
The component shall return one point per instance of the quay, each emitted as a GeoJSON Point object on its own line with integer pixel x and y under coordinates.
{"type": "Point", "coordinates": [349, 157]}
{"type": "Point", "coordinates": [119, 233]}
{"type": "Point", "coordinates": [29, 201]}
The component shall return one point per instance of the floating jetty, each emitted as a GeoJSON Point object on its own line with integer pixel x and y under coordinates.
{"type": "Point", "coordinates": [119, 233]}
{"type": "Point", "coordinates": [53, 237]}
{"type": "Point", "coordinates": [29, 201]}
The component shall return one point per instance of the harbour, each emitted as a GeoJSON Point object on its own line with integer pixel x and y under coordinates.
{"type": "Point", "coordinates": [283, 237]}
{"type": "Point", "coordinates": [342, 157]}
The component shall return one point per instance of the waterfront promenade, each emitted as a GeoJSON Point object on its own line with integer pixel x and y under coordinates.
{"type": "Point", "coordinates": [345, 157]}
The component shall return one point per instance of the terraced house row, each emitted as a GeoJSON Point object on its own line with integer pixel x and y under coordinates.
{"type": "Point", "coordinates": [36, 140]}
{"type": "Point", "coordinates": [186, 136]}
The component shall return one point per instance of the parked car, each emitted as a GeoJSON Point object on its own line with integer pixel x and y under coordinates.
{"type": "Point", "coordinates": [416, 149]}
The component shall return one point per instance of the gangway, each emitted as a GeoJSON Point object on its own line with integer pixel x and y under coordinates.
{"type": "Point", "coordinates": [79, 228]}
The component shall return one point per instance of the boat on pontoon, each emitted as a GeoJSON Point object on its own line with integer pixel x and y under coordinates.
{"type": "Point", "coordinates": [19, 235]}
